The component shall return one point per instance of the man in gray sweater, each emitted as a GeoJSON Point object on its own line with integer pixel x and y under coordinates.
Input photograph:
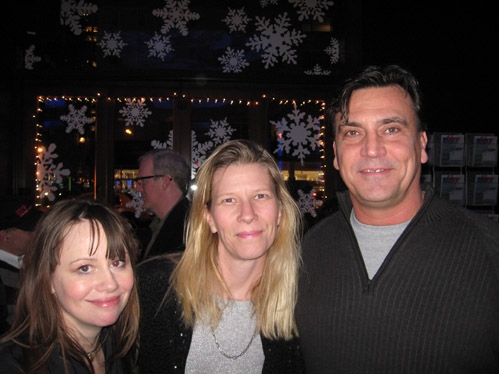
{"type": "Point", "coordinates": [397, 280]}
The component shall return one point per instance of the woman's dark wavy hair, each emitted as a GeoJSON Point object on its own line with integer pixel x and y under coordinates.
{"type": "Point", "coordinates": [375, 76]}
{"type": "Point", "coordinates": [39, 326]}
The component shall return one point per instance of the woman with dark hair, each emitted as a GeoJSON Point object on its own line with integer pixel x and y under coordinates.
{"type": "Point", "coordinates": [77, 309]}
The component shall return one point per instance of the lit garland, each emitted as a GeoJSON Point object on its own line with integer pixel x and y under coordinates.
{"type": "Point", "coordinates": [200, 100]}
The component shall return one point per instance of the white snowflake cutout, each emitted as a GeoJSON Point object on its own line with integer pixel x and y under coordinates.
{"type": "Point", "coordinates": [333, 50]}
{"type": "Point", "coordinates": [236, 20]}
{"type": "Point", "coordinates": [158, 144]}
{"type": "Point", "coordinates": [233, 61]}
{"type": "Point", "coordinates": [112, 44]}
{"type": "Point", "coordinates": [317, 70]}
{"type": "Point", "coordinates": [159, 46]}
{"type": "Point", "coordinates": [199, 152]}
{"type": "Point", "coordinates": [137, 203]}
{"type": "Point", "coordinates": [135, 112]}
{"type": "Point", "coordinates": [76, 119]}
{"type": "Point", "coordinates": [30, 58]}
{"type": "Point", "coordinates": [175, 15]}
{"type": "Point", "coordinates": [276, 40]}
{"type": "Point", "coordinates": [49, 174]}
{"type": "Point", "coordinates": [298, 135]}
{"type": "Point", "coordinates": [220, 131]}
{"type": "Point", "coordinates": [307, 202]}
{"type": "Point", "coordinates": [264, 3]}
{"type": "Point", "coordinates": [314, 9]}
{"type": "Point", "coordinates": [71, 12]}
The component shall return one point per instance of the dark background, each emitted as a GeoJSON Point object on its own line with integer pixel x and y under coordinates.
{"type": "Point", "coordinates": [450, 48]}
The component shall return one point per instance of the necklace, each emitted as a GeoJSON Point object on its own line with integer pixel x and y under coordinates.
{"type": "Point", "coordinates": [91, 355]}
{"type": "Point", "coordinates": [230, 357]}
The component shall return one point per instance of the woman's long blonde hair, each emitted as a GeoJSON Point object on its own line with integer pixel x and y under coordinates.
{"type": "Point", "coordinates": [197, 281]}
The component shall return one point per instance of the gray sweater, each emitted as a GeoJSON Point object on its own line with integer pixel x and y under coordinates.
{"type": "Point", "coordinates": [433, 306]}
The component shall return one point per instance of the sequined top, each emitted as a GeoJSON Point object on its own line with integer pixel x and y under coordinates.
{"type": "Point", "coordinates": [165, 341]}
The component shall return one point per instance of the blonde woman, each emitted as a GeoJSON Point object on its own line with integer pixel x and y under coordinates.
{"type": "Point", "coordinates": [227, 306]}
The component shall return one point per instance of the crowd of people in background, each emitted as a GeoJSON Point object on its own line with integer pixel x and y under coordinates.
{"type": "Point", "coordinates": [231, 280]}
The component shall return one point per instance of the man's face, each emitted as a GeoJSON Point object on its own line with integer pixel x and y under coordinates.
{"type": "Point", "coordinates": [379, 150]}
{"type": "Point", "coordinates": [150, 189]}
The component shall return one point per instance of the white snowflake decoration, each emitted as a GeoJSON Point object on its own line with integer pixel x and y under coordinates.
{"type": "Point", "coordinates": [49, 174]}
{"type": "Point", "coordinates": [76, 119]}
{"type": "Point", "coordinates": [135, 112]}
{"type": "Point", "coordinates": [333, 50]}
{"type": "Point", "coordinates": [298, 135]}
{"type": "Point", "coordinates": [276, 40]}
{"type": "Point", "coordinates": [233, 61]}
{"type": "Point", "coordinates": [112, 44]}
{"type": "Point", "coordinates": [314, 9]}
{"type": "Point", "coordinates": [307, 202]}
{"type": "Point", "coordinates": [30, 58]}
{"type": "Point", "coordinates": [236, 20]}
{"type": "Point", "coordinates": [199, 152]}
{"type": "Point", "coordinates": [264, 3]}
{"type": "Point", "coordinates": [159, 46]}
{"type": "Point", "coordinates": [220, 131]}
{"type": "Point", "coordinates": [175, 15]}
{"type": "Point", "coordinates": [317, 70]}
{"type": "Point", "coordinates": [137, 203]}
{"type": "Point", "coordinates": [72, 11]}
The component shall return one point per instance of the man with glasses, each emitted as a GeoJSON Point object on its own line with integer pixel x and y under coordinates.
{"type": "Point", "coordinates": [163, 182]}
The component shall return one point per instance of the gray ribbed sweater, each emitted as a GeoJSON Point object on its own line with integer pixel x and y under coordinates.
{"type": "Point", "coordinates": [433, 306]}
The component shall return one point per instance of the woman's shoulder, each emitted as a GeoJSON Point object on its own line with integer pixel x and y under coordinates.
{"type": "Point", "coordinates": [11, 357]}
{"type": "Point", "coordinates": [156, 266]}
{"type": "Point", "coordinates": [153, 277]}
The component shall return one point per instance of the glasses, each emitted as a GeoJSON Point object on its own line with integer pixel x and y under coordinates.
{"type": "Point", "coordinates": [140, 180]}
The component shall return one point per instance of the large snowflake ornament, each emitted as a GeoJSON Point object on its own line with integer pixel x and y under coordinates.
{"type": "Point", "coordinates": [220, 131]}
{"type": "Point", "coordinates": [72, 11]}
{"type": "Point", "coordinates": [30, 58]}
{"type": "Point", "coordinates": [298, 135]}
{"type": "Point", "coordinates": [236, 20]}
{"type": "Point", "coordinates": [276, 40]}
{"type": "Point", "coordinates": [159, 46]}
{"type": "Point", "coordinates": [314, 9]}
{"type": "Point", "coordinates": [112, 44]}
{"type": "Point", "coordinates": [135, 112]}
{"type": "Point", "coordinates": [175, 15]}
{"type": "Point", "coordinates": [49, 174]}
{"type": "Point", "coordinates": [317, 70]}
{"type": "Point", "coordinates": [307, 202]}
{"type": "Point", "coordinates": [333, 50]}
{"type": "Point", "coordinates": [76, 119]}
{"type": "Point", "coordinates": [233, 61]}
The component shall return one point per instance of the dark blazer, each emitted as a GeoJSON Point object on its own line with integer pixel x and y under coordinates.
{"type": "Point", "coordinates": [171, 237]}
{"type": "Point", "coordinates": [165, 340]}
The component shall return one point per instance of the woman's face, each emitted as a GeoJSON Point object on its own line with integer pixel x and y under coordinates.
{"type": "Point", "coordinates": [244, 212]}
{"type": "Point", "coordinates": [92, 290]}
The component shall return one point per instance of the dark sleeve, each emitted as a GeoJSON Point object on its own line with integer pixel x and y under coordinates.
{"type": "Point", "coordinates": [10, 359]}
{"type": "Point", "coordinates": [282, 356]}
{"type": "Point", "coordinates": [164, 342]}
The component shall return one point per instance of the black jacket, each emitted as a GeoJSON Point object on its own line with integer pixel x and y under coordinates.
{"type": "Point", "coordinates": [165, 342]}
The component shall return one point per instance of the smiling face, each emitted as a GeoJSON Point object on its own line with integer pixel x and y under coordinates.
{"type": "Point", "coordinates": [379, 152]}
{"type": "Point", "coordinates": [92, 290]}
{"type": "Point", "coordinates": [244, 212]}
